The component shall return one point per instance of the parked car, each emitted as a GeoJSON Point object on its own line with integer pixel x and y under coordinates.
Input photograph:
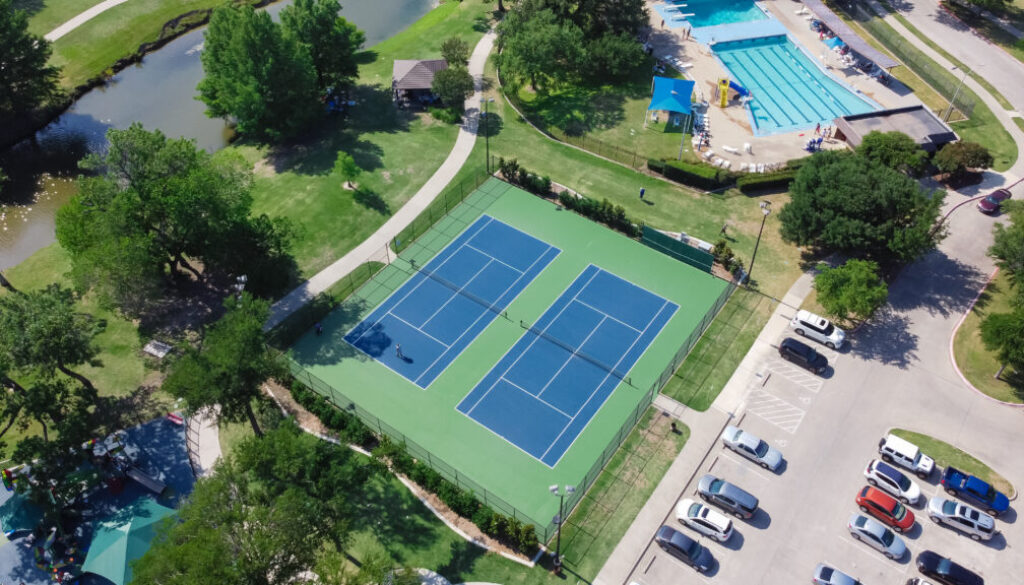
{"type": "Point", "coordinates": [910, 581]}
{"type": "Point", "coordinates": [974, 523]}
{"type": "Point", "coordinates": [943, 570]}
{"type": "Point", "coordinates": [877, 536]}
{"type": "Point", "coordinates": [967, 487]}
{"type": "Point", "coordinates": [727, 496]}
{"type": "Point", "coordinates": [889, 479]}
{"type": "Point", "coordinates": [902, 452]}
{"type": "Point", "coordinates": [683, 548]}
{"type": "Point", "coordinates": [994, 201]}
{"type": "Point", "coordinates": [818, 328]}
{"type": "Point", "coordinates": [703, 519]}
{"type": "Point", "coordinates": [885, 508]}
{"type": "Point", "coordinates": [752, 447]}
{"type": "Point", "coordinates": [826, 575]}
{"type": "Point", "coordinates": [802, 355]}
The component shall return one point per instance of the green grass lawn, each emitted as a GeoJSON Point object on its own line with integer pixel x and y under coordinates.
{"type": "Point", "coordinates": [1019, 122]}
{"type": "Point", "coordinates": [712, 362]}
{"type": "Point", "coordinates": [45, 16]}
{"type": "Point", "coordinates": [978, 364]}
{"type": "Point", "coordinates": [946, 455]}
{"type": "Point", "coordinates": [613, 115]}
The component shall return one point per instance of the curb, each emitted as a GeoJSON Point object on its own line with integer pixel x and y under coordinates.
{"type": "Point", "coordinates": [952, 343]}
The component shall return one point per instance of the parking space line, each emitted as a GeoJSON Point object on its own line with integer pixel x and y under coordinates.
{"type": "Point", "coordinates": [869, 552]}
{"type": "Point", "coordinates": [728, 455]}
{"type": "Point", "coordinates": [775, 410]}
{"type": "Point", "coordinates": [798, 376]}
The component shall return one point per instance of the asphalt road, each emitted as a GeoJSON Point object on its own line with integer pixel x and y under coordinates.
{"type": "Point", "coordinates": [895, 373]}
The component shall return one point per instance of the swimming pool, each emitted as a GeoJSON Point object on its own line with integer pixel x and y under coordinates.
{"type": "Point", "coordinates": [789, 91]}
{"type": "Point", "coordinates": [709, 12]}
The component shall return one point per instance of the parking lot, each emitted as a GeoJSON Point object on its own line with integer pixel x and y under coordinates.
{"type": "Point", "coordinates": [828, 434]}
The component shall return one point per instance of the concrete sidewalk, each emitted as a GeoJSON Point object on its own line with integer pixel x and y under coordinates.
{"type": "Point", "coordinates": [375, 247]}
{"type": "Point", "coordinates": [203, 436]}
{"type": "Point", "coordinates": [81, 19]}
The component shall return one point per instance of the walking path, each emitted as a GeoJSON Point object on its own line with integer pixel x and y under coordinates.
{"type": "Point", "coordinates": [204, 440]}
{"type": "Point", "coordinates": [705, 428]}
{"type": "Point", "coordinates": [81, 19]}
{"type": "Point", "coordinates": [375, 247]}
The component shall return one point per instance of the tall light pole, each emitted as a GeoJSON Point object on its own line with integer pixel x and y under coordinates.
{"type": "Point", "coordinates": [766, 208]}
{"type": "Point", "coordinates": [559, 520]}
{"type": "Point", "coordinates": [949, 110]}
{"type": "Point", "coordinates": [487, 132]}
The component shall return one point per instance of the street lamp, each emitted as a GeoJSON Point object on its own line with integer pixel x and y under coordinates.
{"type": "Point", "coordinates": [239, 285]}
{"type": "Point", "coordinates": [949, 110]}
{"type": "Point", "coordinates": [559, 519]}
{"type": "Point", "coordinates": [487, 132]}
{"type": "Point", "coordinates": [766, 208]}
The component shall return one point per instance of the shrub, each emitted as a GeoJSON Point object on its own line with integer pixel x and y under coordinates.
{"type": "Point", "coordinates": [657, 166]}
{"type": "Point", "coordinates": [696, 175]}
{"type": "Point", "coordinates": [604, 211]}
{"type": "Point", "coordinates": [758, 182]}
{"type": "Point", "coordinates": [527, 538]}
{"type": "Point", "coordinates": [483, 517]}
{"type": "Point", "coordinates": [446, 115]}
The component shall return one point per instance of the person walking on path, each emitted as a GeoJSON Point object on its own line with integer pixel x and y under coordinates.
{"type": "Point", "coordinates": [398, 351]}
{"type": "Point", "coordinates": [319, 329]}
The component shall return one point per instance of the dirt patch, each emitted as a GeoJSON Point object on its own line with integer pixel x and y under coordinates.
{"type": "Point", "coordinates": [386, 175]}
{"type": "Point", "coordinates": [302, 416]}
{"type": "Point", "coordinates": [262, 168]}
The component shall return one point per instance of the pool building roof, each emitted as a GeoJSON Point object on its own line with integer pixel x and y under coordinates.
{"type": "Point", "coordinates": [414, 74]}
{"type": "Point", "coordinates": [672, 95]}
{"type": "Point", "coordinates": [917, 122]}
{"type": "Point", "coordinates": [844, 32]}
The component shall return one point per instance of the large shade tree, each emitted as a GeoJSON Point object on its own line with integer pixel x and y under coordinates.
{"type": "Point", "coordinates": [27, 81]}
{"type": "Point", "coordinates": [258, 76]}
{"type": "Point", "coordinates": [847, 203]}
{"type": "Point", "coordinates": [895, 150]}
{"type": "Point", "coordinates": [330, 40]}
{"type": "Point", "coordinates": [1008, 245]}
{"type": "Point", "coordinates": [854, 289]}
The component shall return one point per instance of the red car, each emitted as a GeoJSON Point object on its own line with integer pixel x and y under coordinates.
{"type": "Point", "coordinates": [992, 203]}
{"type": "Point", "coordinates": [884, 507]}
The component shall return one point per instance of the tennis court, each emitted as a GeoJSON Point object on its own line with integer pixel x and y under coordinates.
{"type": "Point", "coordinates": [544, 391]}
{"type": "Point", "coordinates": [424, 326]}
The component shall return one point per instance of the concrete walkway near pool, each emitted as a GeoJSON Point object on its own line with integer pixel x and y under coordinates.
{"type": "Point", "coordinates": [731, 126]}
{"type": "Point", "coordinates": [375, 246]}
{"type": "Point", "coordinates": [81, 19]}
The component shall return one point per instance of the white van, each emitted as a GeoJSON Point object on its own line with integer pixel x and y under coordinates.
{"type": "Point", "coordinates": [818, 328]}
{"type": "Point", "coordinates": [893, 449]}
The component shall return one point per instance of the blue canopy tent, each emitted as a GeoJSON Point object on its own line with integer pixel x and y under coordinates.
{"type": "Point", "coordinates": [672, 95]}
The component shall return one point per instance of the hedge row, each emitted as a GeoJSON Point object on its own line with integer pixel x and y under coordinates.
{"type": "Point", "coordinates": [508, 530]}
{"type": "Point", "coordinates": [604, 211]}
{"type": "Point", "coordinates": [701, 176]}
{"type": "Point", "coordinates": [519, 176]}
{"type": "Point", "coordinates": [774, 180]}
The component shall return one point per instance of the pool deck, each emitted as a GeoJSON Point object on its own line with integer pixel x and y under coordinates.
{"type": "Point", "coordinates": [731, 126]}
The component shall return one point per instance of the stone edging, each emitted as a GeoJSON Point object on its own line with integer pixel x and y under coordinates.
{"type": "Point", "coordinates": [952, 343]}
{"type": "Point", "coordinates": [410, 486]}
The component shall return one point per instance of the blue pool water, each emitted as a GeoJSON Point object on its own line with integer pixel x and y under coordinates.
{"type": "Point", "coordinates": [709, 12]}
{"type": "Point", "coordinates": [790, 92]}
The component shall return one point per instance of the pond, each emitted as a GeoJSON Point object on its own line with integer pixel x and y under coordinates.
{"type": "Point", "coordinates": [160, 93]}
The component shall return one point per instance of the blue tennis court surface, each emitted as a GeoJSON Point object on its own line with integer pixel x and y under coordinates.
{"type": "Point", "coordinates": [438, 312]}
{"type": "Point", "coordinates": [545, 390]}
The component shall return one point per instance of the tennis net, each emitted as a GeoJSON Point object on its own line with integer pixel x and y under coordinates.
{"type": "Point", "coordinates": [492, 306]}
{"type": "Point", "coordinates": [576, 351]}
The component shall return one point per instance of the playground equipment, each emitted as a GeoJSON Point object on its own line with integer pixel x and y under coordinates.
{"type": "Point", "coordinates": [145, 480]}
{"type": "Point", "coordinates": [723, 92]}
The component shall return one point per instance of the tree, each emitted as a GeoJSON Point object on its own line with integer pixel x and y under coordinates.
{"type": "Point", "coordinates": [453, 85]}
{"type": "Point", "coordinates": [346, 166]}
{"type": "Point", "coordinates": [26, 80]}
{"type": "Point", "coordinates": [455, 51]}
{"type": "Point", "coordinates": [957, 158]}
{"type": "Point", "coordinates": [850, 204]}
{"type": "Point", "coordinates": [157, 203]}
{"type": "Point", "coordinates": [1008, 245]}
{"type": "Point", "coordinates": [43, 331]}
{"type": "Point", "coordinates": [1002, 333]}
{"type": "Point", "coordinates": [535, 47]}
{"type": "Point", "coordinates": [258, 76]}
{"type": "Point", "coordinates": [895, 150]}
{"type": "Point", "coordinates": [854, 289]}
{"type": "Point", "coordinates": [330, 40]}
{"type": "Point", "coordinates": [230, 366]}
{"type": "Point", "coordinates": [613, 56]}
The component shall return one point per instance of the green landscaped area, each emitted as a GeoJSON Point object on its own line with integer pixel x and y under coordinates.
{"type": "Point", "coordinates": [978, 364]}
{"type": "Point", "coordinates": [946, 455]}
{"type": "Point", "coordinates": [475, 451]}
{"type": "Point", "coordinates": [45, 16]}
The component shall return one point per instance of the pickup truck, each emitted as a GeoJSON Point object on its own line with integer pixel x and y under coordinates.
{"type": "Point", "coordinates": [967, 487]}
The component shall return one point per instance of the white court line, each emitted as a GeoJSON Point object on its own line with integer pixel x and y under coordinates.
{"type": "Point", "coordinates": [475, 249]}
{"type": "Point", "coordinates": [600, 312]}
{"type": "Point", "coordinates": [572, 354]}
{"type": "Point", "coordinates": [420, 330]}
{"type": "Point", "coordinates": [537, 398]}
{"type": "Point", "coordinates": [457, 293]}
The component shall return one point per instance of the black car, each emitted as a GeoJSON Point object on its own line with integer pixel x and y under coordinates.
{"type": "Point", "coordinates": [802, 355]}
{"type": "Point", "coordinates": [727, 496]}
{"type": "Point", "coordinates": [945, 571]}
{"type": "Point", "coordinates": [683, 548]}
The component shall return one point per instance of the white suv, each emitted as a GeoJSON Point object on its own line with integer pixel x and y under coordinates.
{"type": "Point", "coordinates": [897, 450]}
{"type": "Point", "coordinates": [974, 523]}
{"type": "Point", "coordinates": [818, 328]}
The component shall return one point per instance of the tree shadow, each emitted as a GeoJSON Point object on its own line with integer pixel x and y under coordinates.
{"type": "Point", "coordinates": [121, 412]}
{"type": "Point", "coordinates": [490, 125]}
{"type": "Point", "coordinates": [370, 199]}
{"type": "Point", "coordinates": [31, 7]}
{"type": "Point", "coordinates": [366, 57]}
{"type": "Point", "coordinates": [395, 517]}
{"type": "Point", "coordinates": [887, 339]}
{"type": "Point", "coordinates": [332, 347]}
{"type": "Point", "coordinates": [459, 566]}
{"type": "Point", "coordinates": [938, 283]}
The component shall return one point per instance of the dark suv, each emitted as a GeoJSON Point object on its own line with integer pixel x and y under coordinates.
{"type": "Point", "coordinates": [802, 355]}
{"type": "Point", "coordinates": [945, 571]}
{"type": "Point", "coordinates": [683, 548]}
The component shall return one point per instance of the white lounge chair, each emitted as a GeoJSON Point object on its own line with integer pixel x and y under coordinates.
{"type": "Point", "coordinates": [760, 168]}
{"type": "Point", "coordinates": [726, 164]}
{"type": "Point", "coordinates": [731, 150]}
{"type": "Point", "coordinates": [710, 153]}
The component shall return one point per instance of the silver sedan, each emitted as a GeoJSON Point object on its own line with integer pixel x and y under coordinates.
{"type": "Point", "coordinates": [752, 447]}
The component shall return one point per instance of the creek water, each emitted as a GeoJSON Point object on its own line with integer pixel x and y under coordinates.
{"type": "Point", "coordinates": [160, 92]}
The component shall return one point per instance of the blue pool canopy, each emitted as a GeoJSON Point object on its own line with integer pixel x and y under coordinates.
{"type": "Point", "coordinates": [671, 95]}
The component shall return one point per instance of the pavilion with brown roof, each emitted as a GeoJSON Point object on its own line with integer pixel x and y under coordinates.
{"type": "Point", "coordinates": [412, 80]}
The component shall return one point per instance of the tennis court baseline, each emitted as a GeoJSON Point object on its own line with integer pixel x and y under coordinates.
{"type": "Point", "coordinates": [424, 325]}
{"type": "Point", "coordinates": [544, 391]}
